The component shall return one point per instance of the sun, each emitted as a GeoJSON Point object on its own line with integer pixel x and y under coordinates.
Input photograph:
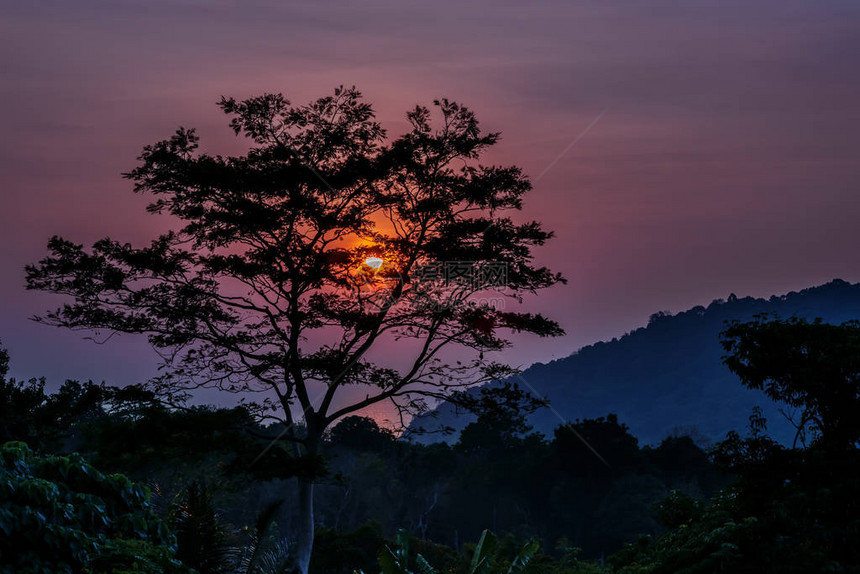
{"type": "Point", "coordinates": [373, 262]}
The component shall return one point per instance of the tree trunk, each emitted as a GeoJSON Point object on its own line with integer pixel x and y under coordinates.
{"type": "Point", "coordinates": [305, 526]}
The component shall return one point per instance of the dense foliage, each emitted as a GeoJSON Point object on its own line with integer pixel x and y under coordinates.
{"type": "Point", "coordinates": [589, 497]}
{"type": "Point", "coordinates": [790, 509]}
{"type": "Point", "coordinates": [59, 514]}
{"type": "Point", "coordinates": [498, 475]}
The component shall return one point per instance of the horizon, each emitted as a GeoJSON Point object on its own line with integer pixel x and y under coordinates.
{"type": "Point", "coordinates": [679, 154]}
{"type": "Point", "coordinates": [383, 412]}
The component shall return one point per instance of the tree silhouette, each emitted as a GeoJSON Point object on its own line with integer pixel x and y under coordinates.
{"type": "Point", "coordinates": [814, 367]}
{"type": "Point", "coordinates": [321, 243]}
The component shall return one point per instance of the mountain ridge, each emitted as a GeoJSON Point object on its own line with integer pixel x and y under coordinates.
{"type": "Point", "coordinates": [666, 377]}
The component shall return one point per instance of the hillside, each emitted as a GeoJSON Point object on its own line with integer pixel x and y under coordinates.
{"type": "Point", "coordinates": [668, 376]}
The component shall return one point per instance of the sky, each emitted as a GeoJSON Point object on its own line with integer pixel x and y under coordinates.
{"type": "Point", "coordinates": [681, 151]}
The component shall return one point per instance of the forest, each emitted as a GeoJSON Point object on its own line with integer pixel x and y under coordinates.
{"type": "Point", "coordinates": [123, 481]}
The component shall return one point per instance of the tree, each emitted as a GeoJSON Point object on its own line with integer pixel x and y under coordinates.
{"type": "Point", "coordinates": [814, 367]}
{"type": "Point", "coordinates": [363, 433]}
{"type": "Point", "coordinates": [788, 509]}
{"type": "Point", "coordinates": [501, 420]}
{"type": "Point", "coordinates": [321, 243]}
{"type": "Point", "coordinates": [19, 405]}
{"type": "Point", "coordinates": [44, 421]}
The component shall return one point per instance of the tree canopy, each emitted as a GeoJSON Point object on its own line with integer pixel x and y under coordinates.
{"type": "Point", "coordinates": [325, 241]}
{"type": "Point", "coordinates": [811, 366]}
{"type": "Point", "coordinates": [267, 286]}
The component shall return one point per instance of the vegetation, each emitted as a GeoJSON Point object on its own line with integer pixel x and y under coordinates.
{"type": "Point", "coordinates": [293, 262]}
{"type": "Point", "coordinates": [790, 509]}
{"type": "Point", "coordinates": [499, 475]}
{"type": "Point", "coordinates": [297, 259]}
{"type": "Point", "coordinates": [484, 559]}
{"type": "Point", "coordinates": [674, 365]}
{"type": "Point", "coordinates": [813, 367]}
{"type": "Point", "coordinates": [59, 514]}
{"type": "Point", "coordinates": [748, 504]}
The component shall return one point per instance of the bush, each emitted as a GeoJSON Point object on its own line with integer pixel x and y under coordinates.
{"type": "Point", "coordinates": [59, 514]}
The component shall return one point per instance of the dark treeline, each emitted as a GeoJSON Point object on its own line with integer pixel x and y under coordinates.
{"type": "Point", "coordinates": [588, 496]}
{"type": "Point", "coordinates": [498, 475]}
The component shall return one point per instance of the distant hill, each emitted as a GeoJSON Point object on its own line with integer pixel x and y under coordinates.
{"type": "Point", "coordinates": [668, 377]}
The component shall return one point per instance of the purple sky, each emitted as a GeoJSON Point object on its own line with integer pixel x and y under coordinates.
{"type": "Point", "coordinates": [726, 160]}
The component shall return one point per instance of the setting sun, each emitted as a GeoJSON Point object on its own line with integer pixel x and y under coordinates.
{"type": "Point", "coordinates": [373, 262]}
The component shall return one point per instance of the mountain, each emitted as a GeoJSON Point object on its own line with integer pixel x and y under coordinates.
{"type": "Point", "coordinates": [667, 377]}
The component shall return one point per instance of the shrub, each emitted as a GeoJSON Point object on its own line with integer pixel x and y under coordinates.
{"type": "Point", "coordinates": [59, 514]}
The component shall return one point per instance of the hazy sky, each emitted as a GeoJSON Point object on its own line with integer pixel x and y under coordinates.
{"type": "Point", "coordinates": [726, 160]}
